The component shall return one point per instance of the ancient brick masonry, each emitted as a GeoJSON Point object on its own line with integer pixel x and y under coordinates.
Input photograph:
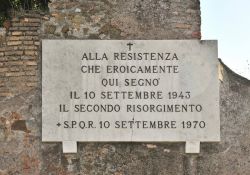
{"type": "Point", "coordinates": [95, 19]}
{"type": "Point", "coordinates": [21, 149]}
{"type": "Point", "coordinates": [19, 56]}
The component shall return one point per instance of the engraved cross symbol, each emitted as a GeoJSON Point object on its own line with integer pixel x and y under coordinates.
{"type": "Point", "coordinates": [129, 46]}
{"type": "Point", "coordinates": [58, 124]}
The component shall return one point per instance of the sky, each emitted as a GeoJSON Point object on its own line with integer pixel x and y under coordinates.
{"type": "Point", "coordinates": [228, 21]}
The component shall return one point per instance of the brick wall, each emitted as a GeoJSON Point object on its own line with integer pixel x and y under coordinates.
{"type": "Point", "coordinates": [19, 56]}
{"type": "Point", "coordinates": [21, 149]}
{"type": "Point", "coordinates": [97, 19]}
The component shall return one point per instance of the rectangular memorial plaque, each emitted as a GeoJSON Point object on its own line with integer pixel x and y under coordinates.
{"type": "Point", "coordinates": [130, 91]}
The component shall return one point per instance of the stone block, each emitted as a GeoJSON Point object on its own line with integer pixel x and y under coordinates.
{"type": "Point", "coordinates": [50, 29]}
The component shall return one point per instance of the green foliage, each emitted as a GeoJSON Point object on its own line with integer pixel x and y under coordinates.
{"type": "Point", "coordinates": [4, 5]}
{"type": "Point", "coordinates": [2, 19]}
{"type": "Point", "coordinates": [20, 5]}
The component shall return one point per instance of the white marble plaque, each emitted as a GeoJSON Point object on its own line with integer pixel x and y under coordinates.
{"type": "Point", "coordinates": [130, 91]}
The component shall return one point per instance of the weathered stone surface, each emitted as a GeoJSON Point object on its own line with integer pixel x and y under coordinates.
{"type": "Point", "coordinates": [65, 29]}
{"type": "Point", "coordinates": [19, 148]}
{"type": "Point", "coordinates": [19, 125]}
{"type": "Point", "coordinates": [137, 19]}
{"type": "Point", "coordinates": [50, 29]}
{"type": "Point", "coordinates": [22, 153]}
{"type": "Point", "coordinates": [230, 156]}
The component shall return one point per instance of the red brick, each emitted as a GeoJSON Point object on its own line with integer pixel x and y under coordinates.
{"type": "Point", "coordinates": [13, 63]}
{"type": "Point", "coordinates": [37, 43]}
{"type": "Point", "coordinates": [183, 26]}
{"type": "Point", "coordinates": [28, 42]}
{"type": "Point", "coordinates": [14, 69]}
{"type": "Point", "coordinates": [32, 20]}
{"type": "Point", "coordinates": [33, 79]}
{"type": "Point", "coordinates": [14, 53]}
{"type": "Point", "coordinates": [28, 57]}
{"type": "Point", "coordinates": [17, 24]}
{"type": "Point", "coordinates": [32, 84]}
{"type": "Point", "coordinates": [30, 67]}
{"type": "Point", "coordinates": [13, 58]}
{"type": "Point", "coordinates": [17, 33]}
{"type": "Point", "coordinates": [14, 38]}
{"type": "Point", "coordinates": [4, 69]}
{"type": "Point", "coordinates": [196, 34]}
{"type": "Point", "coordinates": [3, 58]}
{"type": "Point", "coordinates": [30, 53]}
{"type": "Point", "coordinates": [32, 72]}
{"type": "Point", "coordinates": [31, 33]}
{"type": "Point", "coordinates": [14, 74]}
{"type": "Point", "coordinates": [6, 94]}
{"type": "Point", "coordinates": [8, 48]}
{"type": "Point", "coordinates": [14, 43]}
{"type": "Point", "coordinates": [31, 63]}
{"type": "Point", "coordinates": [2, 84]}
{"type": "Point", "coordinates": [25, 47]}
